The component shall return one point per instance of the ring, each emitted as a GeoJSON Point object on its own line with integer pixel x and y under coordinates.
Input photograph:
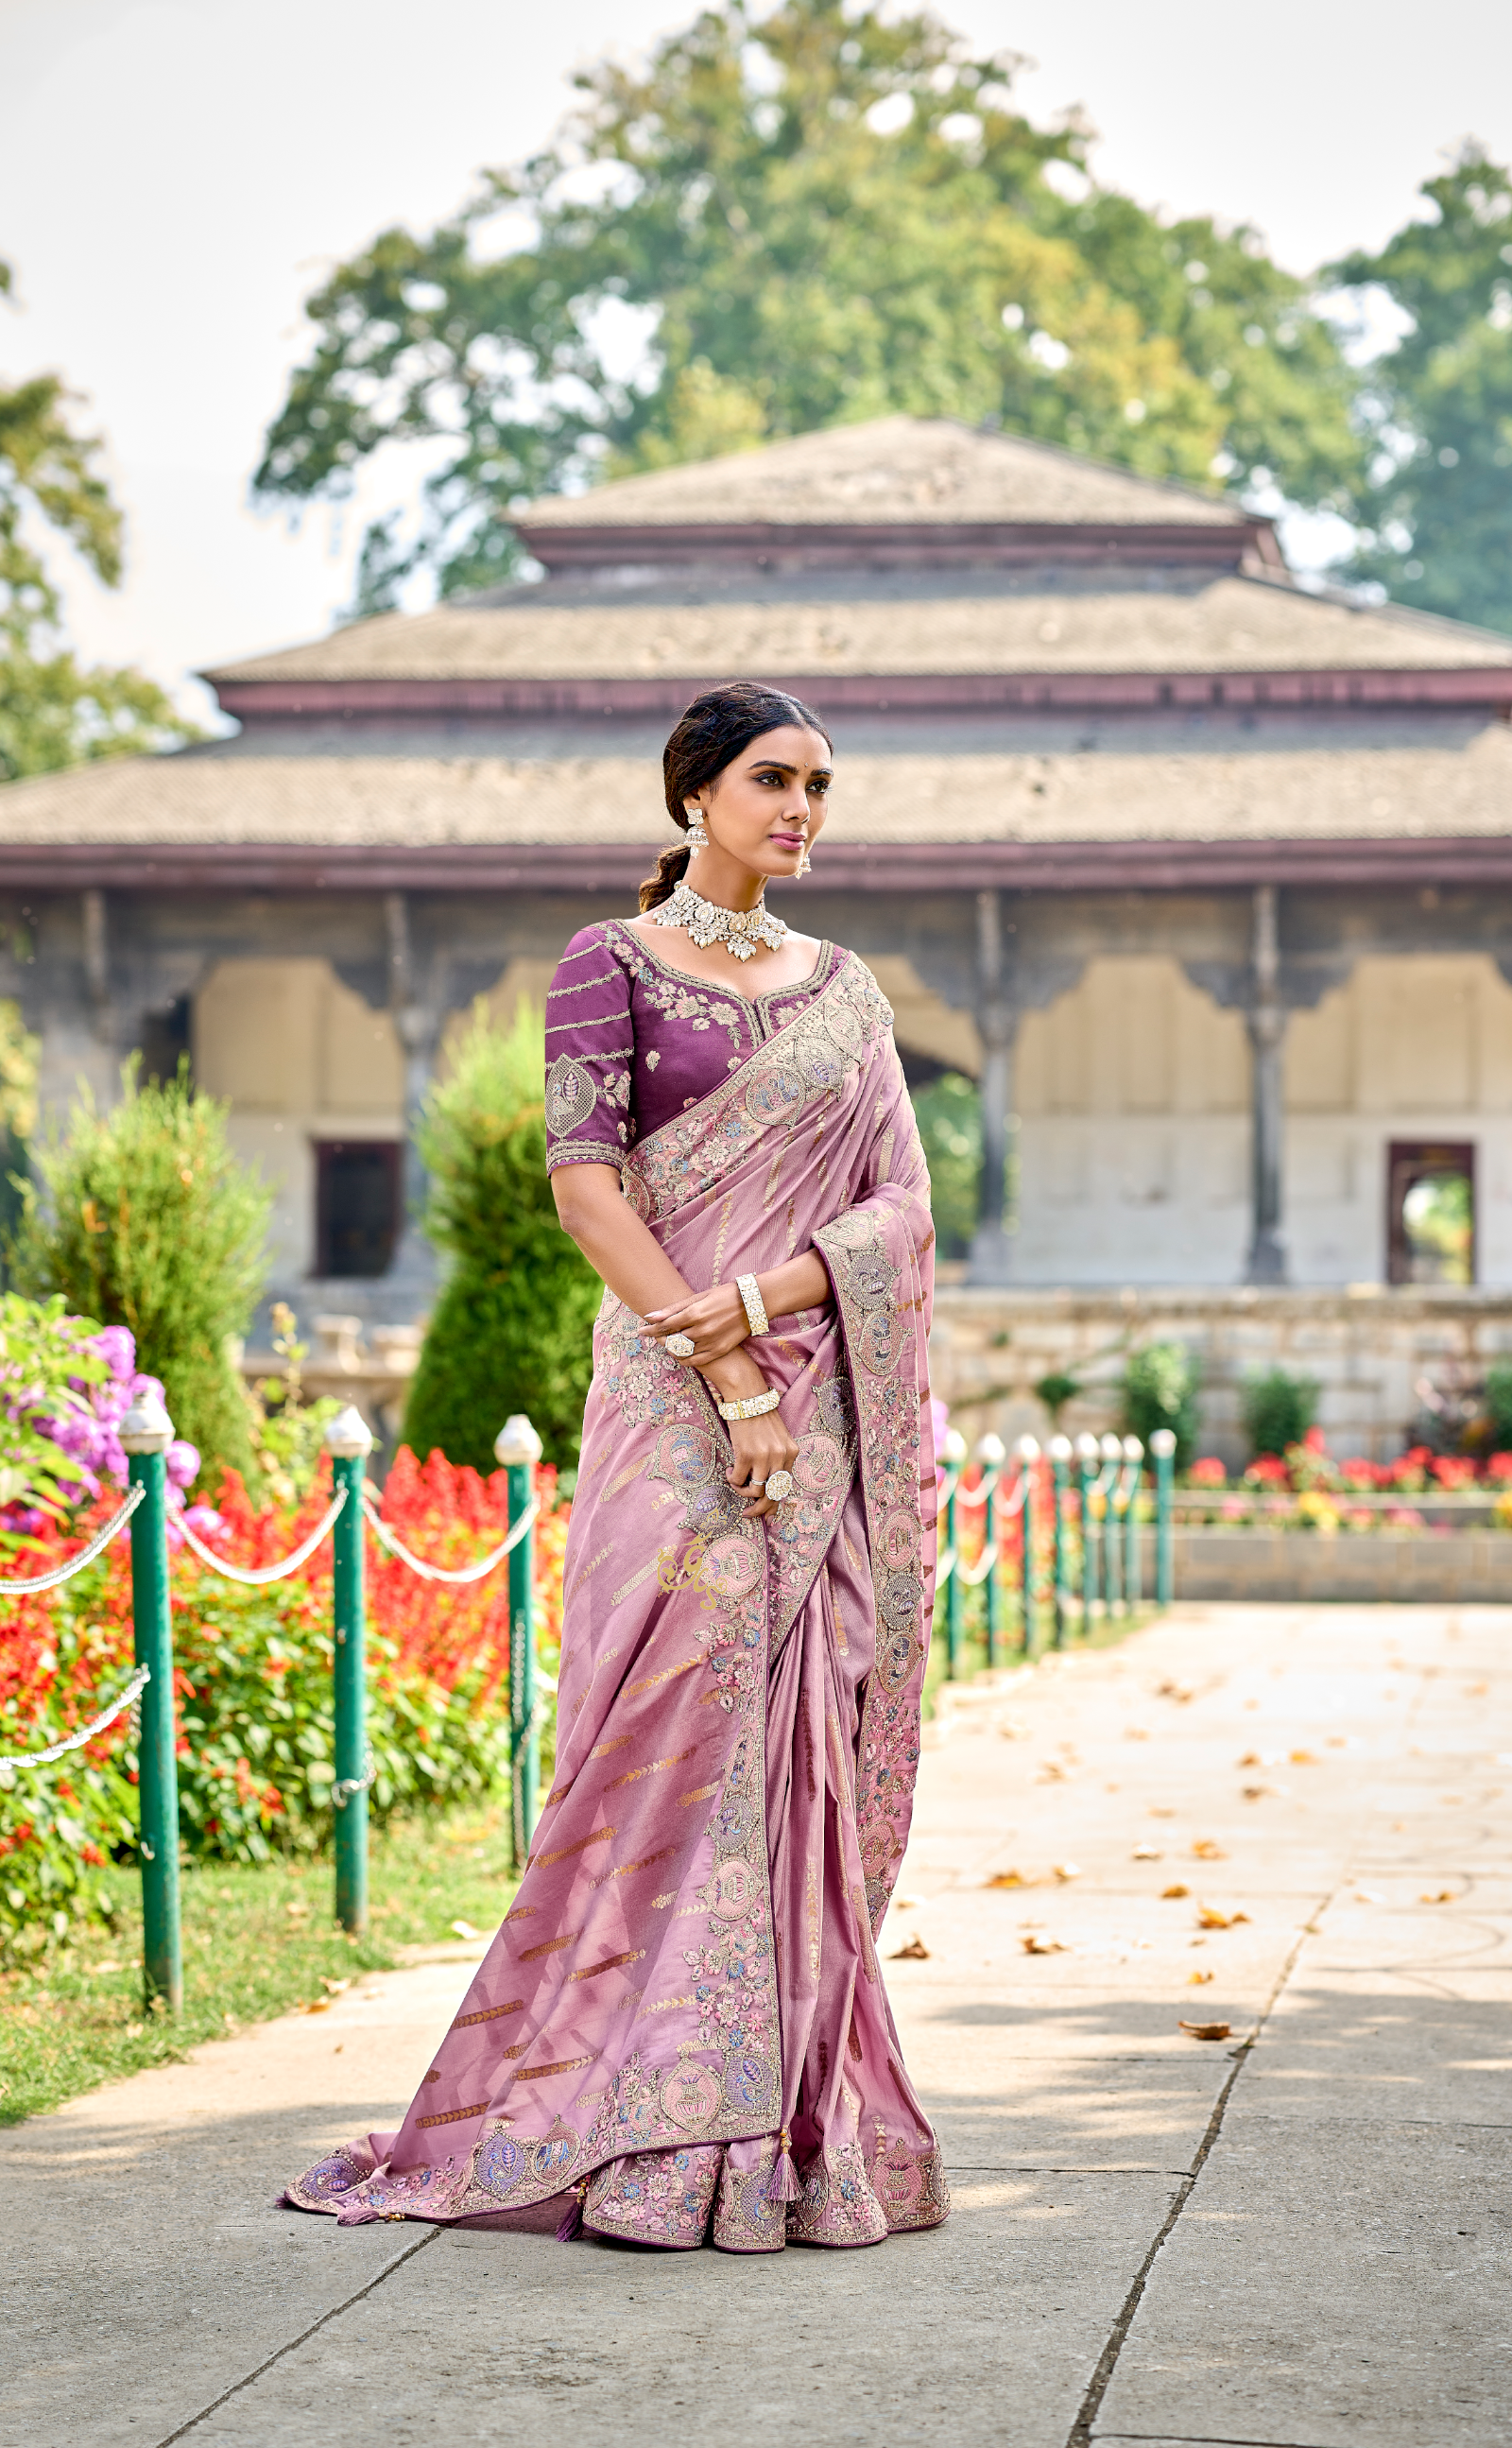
{"type": "Point", "coordinates": [779, 1486]}
{"type": "Point", "coordinates": [682, 1346]}
{"type": "Point", "coordinates": [754, 1483]}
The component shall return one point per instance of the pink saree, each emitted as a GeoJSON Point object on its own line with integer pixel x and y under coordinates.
{"type": "Point", "coordinates": [682, 2018]}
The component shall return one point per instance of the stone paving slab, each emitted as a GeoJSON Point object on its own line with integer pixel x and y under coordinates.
{"type": "Point", "coordinates": [1295, 2236]}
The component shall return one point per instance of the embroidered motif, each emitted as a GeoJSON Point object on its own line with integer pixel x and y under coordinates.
{"type": "Point", "coordinates": [657, 2196]}
{"type": "Point", "coordinates": [837, 2205]}
{"type": "Point", "coordinates": [570, 1096]}
{"type": "Point", "coordinates": [583, 1152]}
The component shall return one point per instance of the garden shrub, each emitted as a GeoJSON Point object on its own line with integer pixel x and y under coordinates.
{"type": "Point", "coordinates": [512, 1330]}
{"type": "Point", "coordinates": [143, 1218]}
{"type": "Point", "coordinates": [1160, 1391]}
{"type": "Point", "coordinates": [1498, 1402]}
{"type": "Point", "coordinates": [1278, 1409]}
{"type": "Point", "coordinates": [949, 1113]}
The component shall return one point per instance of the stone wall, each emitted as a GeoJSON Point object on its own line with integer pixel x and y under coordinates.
{"type": "Point", "coordinates": [1366, 1348]}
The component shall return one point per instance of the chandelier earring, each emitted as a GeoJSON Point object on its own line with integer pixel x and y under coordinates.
{"type": "Point", "coordinates": [698, 838]}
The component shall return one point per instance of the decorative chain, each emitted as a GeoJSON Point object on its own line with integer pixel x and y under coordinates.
{"type": "Point", "coordinates": [345, 1787]}
{"type": "Point", "coordinates": [258, 1576]}
{"type": "Point", "coordinates": [436, 1572]}
{"type": "Point", "coordinates": [86, 1733]}
{"type": "Point", "coordinates": [86, 1556]}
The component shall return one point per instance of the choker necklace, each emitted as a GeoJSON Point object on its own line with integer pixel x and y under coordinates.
{"type": "Point", "coordinates": [738, 930]}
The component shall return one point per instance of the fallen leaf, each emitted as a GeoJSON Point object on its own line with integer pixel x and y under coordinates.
{"type": "Point", "coordinates": [1339, 1742]}
{"type": "Point", "coordinates": [1159, 1810]}
{"type": "Point", "coordinates": [906, 1904]}
{"type": "Point", "coordinates": [1445, 1896]}
{"type": "Point", "coordinates": [1208, 1918]}
{"type": "Point", "coordinates": [465, 1929]}
{"type": "Point", "coordinates": [1066, 1871]}
{"type": "Point", "coordinates": [1051, 1772]}
{"type": "Point", "coordinates": [318, 2006]}
{"type": "Point", "coordinates": [1007, 1879]}
{"type": "Point", "coordinates": [1205, 1850]}
{"type": "Point", "coordinates": [1303, 1759]}
{"type": "Point", "coordinates": [1136, 1733]}
{"type": "Point", "coordinates": [333, 1988]}
{"type": "Point", "coordinates": [1013, 1732]}
{"type": "Point", "coordinates": [1147, 1853]}
{"type": "Point", "coordinates": [1033, 1944]}
{"type": "Point", "coordinates": [1207, 2031]}
{"type": "Point", "coordinates": [1367, 1896]}
{"type": "Point", "coordinates": [1257, 1792]}
{"type": "Point", "coordinates": [1174, 1691]}
{"type": "Point", "coordinates": [298, 1911]}
{"type": "Point", "coordinates": [1174, 1893]}
{"type": "Point", "coordinates": [914, 1952]}
{"type": "Point", "coordinates": [340, 2046]}
{"type": "Point", "coordinates": [1196, 1980]}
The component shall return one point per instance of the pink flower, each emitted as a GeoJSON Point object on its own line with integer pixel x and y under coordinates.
{"type": "Point", "coordinates": [182, 1462]}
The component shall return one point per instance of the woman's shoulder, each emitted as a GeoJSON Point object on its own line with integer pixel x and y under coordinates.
{"type": "Point", "coordinates": [862, 981]}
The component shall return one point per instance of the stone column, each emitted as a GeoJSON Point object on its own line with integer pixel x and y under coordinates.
{"type": "Point", "coordinates": [418, 1023]}
{"type": "Point", "coordinates": [1267, 1023]}
{"type": "Point", "coordinates": [991, 1261]}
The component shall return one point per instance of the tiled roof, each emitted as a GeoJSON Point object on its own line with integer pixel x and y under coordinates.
{"type": "Point", "coordinates": [1225, 624]}
{"type": "Point", "coordinates": [1431, 786]}
{"type": "Point", "coordinates": [895, 470]}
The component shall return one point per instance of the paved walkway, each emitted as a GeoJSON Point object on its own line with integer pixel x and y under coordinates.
{"type": "Point", "coordinates": [1296, 2238]}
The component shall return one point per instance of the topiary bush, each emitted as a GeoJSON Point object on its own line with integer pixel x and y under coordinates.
{"type": "Point", "coordinates": [1160, 1391]}
{"type": "Point", "coordinates": [949, 1113]}
{"type": "Point", "coordinates": [513, 1327]}
{"type": "Point", "coordinates": [144, 1218]}
{"type": "Point", "coordinates": [1278, 1409]}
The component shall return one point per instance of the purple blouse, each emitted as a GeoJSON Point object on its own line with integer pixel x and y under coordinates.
{"type": "Point", "coordinates": [631, 1041]}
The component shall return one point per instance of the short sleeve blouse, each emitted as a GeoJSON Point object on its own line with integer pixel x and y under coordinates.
{"type": "Point", "coordinates": [632, 1039]}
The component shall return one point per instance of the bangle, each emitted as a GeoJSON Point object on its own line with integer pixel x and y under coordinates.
{"type": "Point", "coordinates": [754, 1408]}
{"type": "Point", "coordinates": [756, 1308]}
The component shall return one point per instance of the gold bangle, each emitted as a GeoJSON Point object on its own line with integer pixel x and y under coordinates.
{"type": "Point", "coordinates": [756, 1308]}
{"type": "Point", "coordinates": [755, 1406]}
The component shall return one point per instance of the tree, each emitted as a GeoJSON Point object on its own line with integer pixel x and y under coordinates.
{"type": "Point", "coordinates": [513, 1327]}
{"type": "Point", "coordinates": [1438, 407]}
{"type": "Point", "coordinates": [144, 1218]}
{"type": "Point", "coordinates": [823, 213]}
{"type": "Point", "coordinates": [52, 712]}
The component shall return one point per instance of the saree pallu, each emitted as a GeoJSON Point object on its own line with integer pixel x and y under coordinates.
{"type": "Point", "coordinates": [683, 2015]}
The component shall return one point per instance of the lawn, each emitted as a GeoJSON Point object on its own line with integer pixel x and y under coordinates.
{"type": "Point", "coordinates": [257, 1941]}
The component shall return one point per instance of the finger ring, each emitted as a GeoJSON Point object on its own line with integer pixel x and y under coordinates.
{"type": "Point", "coordinates": [779, 1486]}
{"type": "Point", "coordinates": [682, 1346]}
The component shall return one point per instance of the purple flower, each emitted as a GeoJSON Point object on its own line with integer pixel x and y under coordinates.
{"type": "Point", "coordinates": [204, 1521]}
{"type": "Point", "coordinates": [183, 1460]}
{"type": "Point", "coordinates": [117, 1347]}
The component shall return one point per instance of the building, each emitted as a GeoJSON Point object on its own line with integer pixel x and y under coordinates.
{"type": "Point", "coordinates": [1205, 878]}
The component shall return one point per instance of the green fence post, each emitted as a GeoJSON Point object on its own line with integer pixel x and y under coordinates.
{"type": "Point", "coordinates": [1108, 1527]}
{"type": "Point", "coordinates": [992, 1453]}
{"type": "Point", "coordinates": [1027, 1450]}
{"type": "Point", "coordinates": [1162, 1444]}
{"type": "Point", "coordinates": [349, 1441]}
{"type": "Point", "coordinates": [1059, 1461]}
{"type": "Point", "coordinates": [1086, 1456]}
{"type": "Point", "coordinates": [518, 1448]}
{"type": "Point", "coordinates": [1133, 1452]}
{"type": "Point", "coordinates": [954, 1455]}
{"type": "Point", "coordinates": [147, 1433]}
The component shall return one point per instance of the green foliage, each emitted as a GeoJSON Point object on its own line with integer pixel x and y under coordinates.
{"type": "Point", "coordinates": [288, 1433]}
{"type": "Point", "coordinates": [824, 211]}
{"type": "Point", "coordinates": [144, 1218]}
{"type": "Point", "coordinates": [949, 1113]}
{"type": "Point", "coordinates": [51, 712]}
{"type": "Point", "coordinates": [1499, 1405]}
{"type": "Point", "coordinates": [512, 1331]}
{"type": "Point", "coordinates": [1160, 1391]}
{"type": "Point", "coordinates": [43, 1369]}
{"type": "Point", "coordinates": [1438, 406]}
{"type": "Point", "coordinates": [1055, 1391]}
{"type": "Point", "coordinates": [1278, 1409]}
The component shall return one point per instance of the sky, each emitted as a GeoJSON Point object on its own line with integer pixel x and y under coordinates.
{"type": "Point", "coordinates": [175, 175]}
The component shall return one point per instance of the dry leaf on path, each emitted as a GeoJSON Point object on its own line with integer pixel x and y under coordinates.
{"type": "Point", "coordinates": [1445, 1896]}
{"type": "Point", "coordinates": [1051, 1772]}
{"type": "Point", "coordinates": [1303, 1759]}
{"type": "Point", "coordinates": [1066, 1871]}
{"type": "Point", "coordinates": [906, 1904]}
{"type": "Point", "coordinates": [1174, 1893]}
{"type": "Point", "coordinates": [333, 1988]}
{"type": "Point", "coordinates": [1033, 1944]}
{"type": "Point", "coordinates": [1147, 1853]}
{"type": "Point", "coordinates": [1205, 1850]}
{"type": "Point", "coordinates": [297, 1911]}
{"type": "Point", "coordinates": [317, 2006]}
{"type": "Point", "coordinates": [1174, 1691]}
{"type": "Point", "coordinates": [914, 1952]}
{"type": "Point", "coordinates": [1136, 1733]}
{"type": "Point", "coordinates": [1007, 1879]}
{"type": "Point", "coordinates": [1210, 1919]}
{"type": "Point", "coordinates": [1159, 1810]}
{"type": "Point", "coordinates": [1013, 1732]}
{"type": "Point", "coordinates": [1196, 1980]}
{"type": "Point", "coordinates": [1367, 1896]}
{"type": "Point", "coordinates": [1259, 1792]}
{"type": "Point", "coordinates": [1206, 2031]}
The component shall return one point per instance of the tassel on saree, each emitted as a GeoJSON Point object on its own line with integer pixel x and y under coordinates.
{"type": "Point", "coordinates": [571, 2226]}
{"type": "Point", "coordinates": [784, 2186]}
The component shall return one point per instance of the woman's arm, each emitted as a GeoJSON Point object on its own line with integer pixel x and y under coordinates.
{"type": "Point", "coordinates": [637, 1270]}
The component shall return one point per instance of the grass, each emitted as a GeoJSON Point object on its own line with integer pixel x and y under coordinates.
{"type": "Point", "coordinates": [256, 1943]}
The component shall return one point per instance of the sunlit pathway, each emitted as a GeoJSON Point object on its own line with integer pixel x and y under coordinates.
{"type": "Point", "coordinates": [1158, 2238]}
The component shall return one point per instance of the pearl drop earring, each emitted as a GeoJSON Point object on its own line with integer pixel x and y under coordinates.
{"type": "Point", "coordinates": [698, 838]}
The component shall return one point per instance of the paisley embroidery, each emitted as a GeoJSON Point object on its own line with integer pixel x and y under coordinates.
{"type": "Point", "coordinates": [570, 1096]}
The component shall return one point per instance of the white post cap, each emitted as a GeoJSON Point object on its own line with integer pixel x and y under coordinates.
{"type": "Point", "coordinates": [1027, 1448]}
{"type": "Point", "coordinates": [1088, 1446]}
{"type": "Point", "coordinates": [1133, 1450]}
{"type": "Point", "coordinates": [348, 1434]}
{"type": "Point", "coordinates": [1112, 1448]}
{"type": "Point", "coordinates": [1061, 1448]}
{"type": "Point", "coordinates": [1162, 1443]}
{"type": "Point", "coordinates": [517, 1442]}
{"type": "Point", "coordinates": [991, 1451]}
{"type": "Point", "coordinates": [954, 1448]}
{"type": "Point", "coordinates": [147, 1427]}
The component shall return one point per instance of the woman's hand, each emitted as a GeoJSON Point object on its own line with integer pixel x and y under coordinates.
{"type": "Point", "coordinates": [716, 1321]}
{"type": "Point", "coordinates": [761, 1446]}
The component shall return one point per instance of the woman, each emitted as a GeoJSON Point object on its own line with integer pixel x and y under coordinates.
{"type": "Point", "coordinates": [683, 2017]}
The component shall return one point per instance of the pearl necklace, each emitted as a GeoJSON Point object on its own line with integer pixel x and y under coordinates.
{"type": "Point", "coordinates": [705, 923]}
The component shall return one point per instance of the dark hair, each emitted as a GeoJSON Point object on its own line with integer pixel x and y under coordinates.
{"type": "Point", "coordinates": [711, 736]}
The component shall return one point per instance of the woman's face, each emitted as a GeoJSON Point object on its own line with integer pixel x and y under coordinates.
{"type": "Point", "coordinates": [769, 803]}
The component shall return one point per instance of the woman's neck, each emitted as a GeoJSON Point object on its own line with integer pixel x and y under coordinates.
{"type": "Point", "coordinates": [714, 875]}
